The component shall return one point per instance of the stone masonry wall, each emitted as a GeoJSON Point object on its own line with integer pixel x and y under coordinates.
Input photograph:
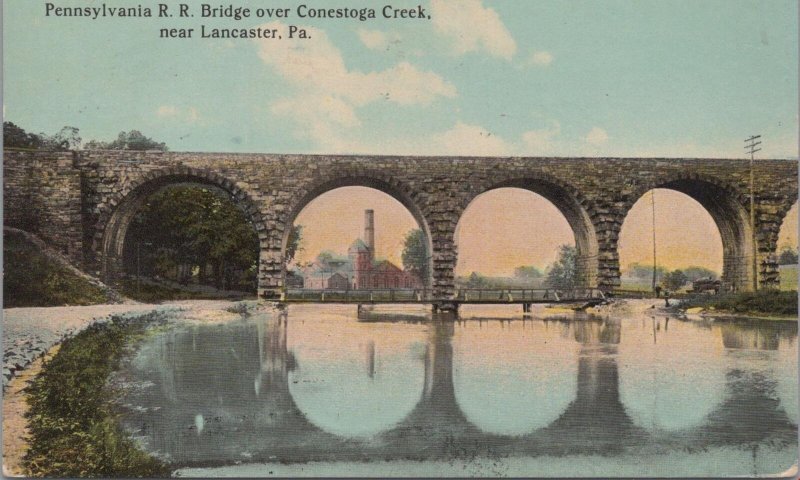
{"type": "Point", "coordinates": [274, 188]}
{"type": "Point", "coordinates": [42, 195]}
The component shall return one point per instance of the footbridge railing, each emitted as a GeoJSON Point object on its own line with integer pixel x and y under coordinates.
{"type": "Point", "coordinates": [462, 296]}
{"type": "Point", "coordinates": [527, 295]}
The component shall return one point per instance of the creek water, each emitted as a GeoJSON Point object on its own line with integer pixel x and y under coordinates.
{"type": "Point", "coordinates": [318, 390]}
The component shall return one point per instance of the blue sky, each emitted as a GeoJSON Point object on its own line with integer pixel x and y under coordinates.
{"type": "Point", "coordinates": [611, 78]}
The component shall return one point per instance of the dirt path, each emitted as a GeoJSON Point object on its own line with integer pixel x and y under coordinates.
{"type": "Point", "coordinates": [32, 335]}
{"type": "Point", "coordinates": [15, 427]}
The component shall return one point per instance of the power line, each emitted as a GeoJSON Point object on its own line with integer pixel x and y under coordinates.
{"type": "Point", "coordinates": [751, 146]}
{"type": "Point", "coordinates": [653, 204]}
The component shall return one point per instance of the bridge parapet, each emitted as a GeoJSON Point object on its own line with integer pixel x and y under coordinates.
{"type": "Point", "coordinates": [79, 202]}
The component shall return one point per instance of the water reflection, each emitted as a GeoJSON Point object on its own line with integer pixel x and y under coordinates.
{"type": "Point", "coordinates": [357, 379]}
{"type": "Point", "coordinates": [321, 385]}
{"type": "Point", "coordinates": [520, 369]}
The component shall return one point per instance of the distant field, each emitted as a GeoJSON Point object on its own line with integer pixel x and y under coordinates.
{"type": "Point", "coordinates": [788, 281]}
{"type": "Point", "coordinates": [636, 284]}
{"type": "Point", "coordinates": [788, 277]}
{"type": "Point", "coordinates": [639, 285]}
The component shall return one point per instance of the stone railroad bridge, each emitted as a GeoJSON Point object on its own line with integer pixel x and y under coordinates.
{"type": "Point", "coordinates": [82, 202]}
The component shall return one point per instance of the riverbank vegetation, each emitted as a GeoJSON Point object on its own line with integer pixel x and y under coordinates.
{"type": "Point", "coordinates": [149, 291]}
{"type": "Point", "coordinates": [73, 427]}
{"type": "Point", "coordinates": [763, 302]}
{"type": "Point", "coordinates": [31, 278]}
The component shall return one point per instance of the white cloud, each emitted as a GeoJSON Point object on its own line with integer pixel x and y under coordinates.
{"type": "Point", "coordinates": [471, 27]}
{"type": "Point", "coordinates": [541, 142]}
{"type": "Point", "coordinates": [189, 115]}
{"type": "Point", "coordinates": [468, 140]}
{"type": "Point", "coordinates": [541, 59]}
{"type": "Point", "coordinates": [596, 136]}
{"type": "Point", "coordinates": [373, 39]}
{"type": "Point", "coordinates": [167, 111]}
{"type": "Point", "coordinates": [327, 94]}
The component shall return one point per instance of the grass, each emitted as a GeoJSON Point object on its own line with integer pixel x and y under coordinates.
{"type": "Point", "coordinates": [763, 302]}
{"type": "Point", "coordinates": [789, 277]}
{"type": "Point", "coordinates": [150, 293]}
{"type": "Point", "coordinates": [73, 427]}
{"type": "Point", "coordinates": [31, 279]}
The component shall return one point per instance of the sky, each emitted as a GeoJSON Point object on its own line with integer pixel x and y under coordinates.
{"type": "Point", "coordinates": [685, 233]}
{"type": "Point", "coordinates": [580, 78]}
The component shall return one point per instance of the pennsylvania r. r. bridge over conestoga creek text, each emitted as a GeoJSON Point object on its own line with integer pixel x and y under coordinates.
{"type": "Point", "coordinates": [237, 12]}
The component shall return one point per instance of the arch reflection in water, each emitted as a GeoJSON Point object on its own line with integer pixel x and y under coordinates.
{"type": "Point", "coordinates": [671, 376]}
{"type": "Point", "coordinates": [769, 351]}
{"type": "Point", "coordinates": [514, 377]}
{"type": "Point", "coordinates": [356, 379]}
{"type": "Point", "coordinates": [214, 394]}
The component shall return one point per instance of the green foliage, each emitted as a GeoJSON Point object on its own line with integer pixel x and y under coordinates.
{"type": "Point", "coordinates": [68, 138]}
{"type": "Point", "coordinates": [325, 256]}
{"type": "Point", "coordinates": [675, 280]}
{"type": "Point", "coordinates": [485, 281]}
{"type": "Point", "coordinates": [415, 254]}
{"type": "Point", "coordinates": [769, 302]}
{"type": "Point", "coordinates": [295, 243]}
{"type": "Point", "coordinates": [31, 279]}
{"type": "Point", "coordinates": [527, 272]}
{"type": "Point", "coordinates": [788, 277]}
{"type": "Point", "coordinates": [476, 280]}
{"type": "Point", "coordinates": [16, 137]}
{"type": "Point", "coordinates": [696, 273]}
{"type": "Point", "coordinates": [148, 292]}
{"type": "Point", "coordinates": [73, 427]}
{"type": "Point", "coordinates": [561, 274]}
{"type": "Point", "coordinates": [194, 226]}
{"type": "Point", "coordinates": [645, 272]}
{"type": "Point", "coordinates": [788, 256]}
{"type": "Point", "coordinates": [133, 140]}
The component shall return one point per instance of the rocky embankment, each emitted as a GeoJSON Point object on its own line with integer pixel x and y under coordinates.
{"type": "Point", "coordinates": [29, 333]}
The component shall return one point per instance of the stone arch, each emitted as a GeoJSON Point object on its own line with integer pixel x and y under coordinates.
{"type": "Point", "coordinates": [383, 183]}
{"type": "Point", "coordinates": [577, 210]}
{"type": "Point", "coordinates": [781, 214]}
{"type": "Point", "coordinates": [113, 220]}
{"type": "Point", "coordinates": [727, 206]}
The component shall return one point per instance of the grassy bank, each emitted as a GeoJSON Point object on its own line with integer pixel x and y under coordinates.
{"type": "Point", "coordinates": [150, 292]}
{"type": "Point", "coordinates": [73, 428]}
{"type": "Point", "coordinates": [32, 279]}
{"type": "Point", "coordinates": [764, 302]}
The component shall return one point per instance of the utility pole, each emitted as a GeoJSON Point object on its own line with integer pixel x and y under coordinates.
{"type": "Point", "coordinates": [653, 205]}
{"type": "Point", "coordinates": [751, 145]}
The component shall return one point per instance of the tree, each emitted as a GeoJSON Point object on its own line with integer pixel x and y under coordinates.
{"type": "Point", "coordinates": [16, 137]}
{"type": "Point", "coordinates": [675, 280]}
{"type": "Point", "coordinates": [527, 272]}
{"type": "Point", "coordinates": [133, 140]}
{"type": "Point", "coordinates": [67, 138]}
{"type": "Point", "coordinates": [696, 273]}
{"type": "Point", "coordinates": [476, 280]}
{"type": "Point", "coordinates": [198, 228]}
{"type": "Point", "coordinates": [561, 274]}
{"type": "Point", "coordinates": [788, 256]}
{"type": "Point", "coordinates": [324, 257]}
{"type": "Point", "coordinates": [415, 254]}
{"type": "Point", "coordinates": [295, 243]}
{"type": "Point", "coordinates": [645, 272]}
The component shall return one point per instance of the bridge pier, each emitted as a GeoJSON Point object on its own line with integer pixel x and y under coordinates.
{"type": "Point", "coordinates": [445, 310]}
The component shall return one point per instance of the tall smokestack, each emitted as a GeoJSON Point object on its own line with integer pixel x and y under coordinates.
{"type": "Point", "coordinates": [369, 230]}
